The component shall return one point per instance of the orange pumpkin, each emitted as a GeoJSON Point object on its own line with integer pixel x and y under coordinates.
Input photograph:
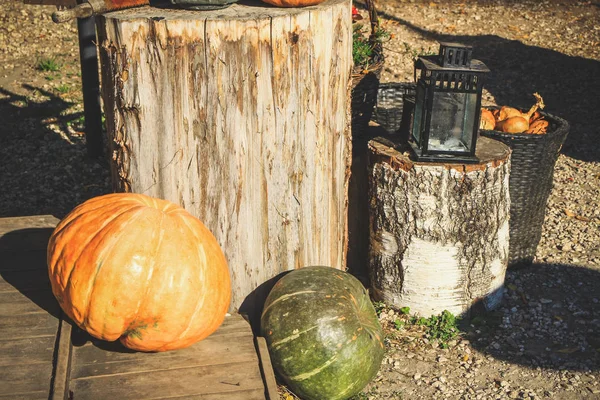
{"type": "Point", "coordinates": [293, 3]}
{"type": "Point", "coordinates": [139, 269]}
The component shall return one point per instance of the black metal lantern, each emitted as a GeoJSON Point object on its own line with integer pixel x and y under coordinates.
{"type": "Point", "coordinates": [447, 105]}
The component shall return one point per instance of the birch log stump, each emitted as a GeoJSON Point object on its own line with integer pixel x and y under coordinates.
{"type": "Point", "coordinates": [239, 115]}
{"type": "Point", "coordinates": [439, 232]}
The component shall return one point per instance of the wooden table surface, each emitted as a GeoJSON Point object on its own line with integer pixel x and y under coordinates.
{"type": "Point", "coordinates": [43, 356]}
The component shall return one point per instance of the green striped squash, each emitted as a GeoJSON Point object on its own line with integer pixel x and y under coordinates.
{"type": "Point", "coordinates": [323, 334]}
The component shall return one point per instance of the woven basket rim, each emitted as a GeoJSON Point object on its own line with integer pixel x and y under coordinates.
{"type": "Point", "coordinates": [373, 68]}
{"type": "Point", "coordinates": [559, 124]}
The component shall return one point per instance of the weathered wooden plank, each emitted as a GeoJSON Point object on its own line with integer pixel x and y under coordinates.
{"type": "Point", "coordinates": [15, 379]}
{"type": "Point", "coordinates": [208, 379]}
{"type": "Point", "coordinates": [32, 395]}
{"type": "Point", "coordinates": [29, 302]}
{"type": "Point", "coordinates": [253, 394]}
{"type": "Point", "coordinates": [27, 326]}
{"type": "Point", "coordinates": [36, 350]}
{"type": "Point", "coordinates": [62, 367]}
{"type": "Point", "coordinates": [235, 348]}
{"type": "Point", "coordinates": [266, 368]}
{"type": "Point", "coordinates": [26, 233]}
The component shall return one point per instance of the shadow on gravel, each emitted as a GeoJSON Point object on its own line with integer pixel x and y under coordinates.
{"type": "Point", "coordinates": [569, 85]}
{"type": "Point", "coordinates": [38, 165]}
{"type": "Point", "coordinates": [550, 318]}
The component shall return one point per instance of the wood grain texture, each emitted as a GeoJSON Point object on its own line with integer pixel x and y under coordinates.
{"type": "Point", "coordinates": [61, 374]}
{"type": "Point", "coordinates": [216, 351]}
{"type": "Point", "coordinates": [22, 378]}
{"type": "Point", "coordinates": [28, 322]}
{"type": "Point", "coordinates": [225, 363]}
{"type": "Point", "coordinates": [34, 350]}
{"type": "Point", "coordinates": [26, 233]}
{"type": "Point", "coordinates": [439, 232]}
{"type": "Point", "coordinates": [266, 368]}
{"type": "Point", "coordinates": [241, 116]}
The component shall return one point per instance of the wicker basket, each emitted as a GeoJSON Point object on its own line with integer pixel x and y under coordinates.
{"type": "Point", "coordinates": [392, 106]}
{"type": "Point", "coordinates": [532, 170]}
{"type": "Point", "coordinates": [365, 82]}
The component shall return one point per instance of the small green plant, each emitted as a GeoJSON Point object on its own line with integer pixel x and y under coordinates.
{"type": "Point", "coordinates": [399, 324]}
{"type": "Point", "coordinates": [63, 88]}
{"type": "Point", "coordinates": [414, 53]}
{"type": "Point", "coordinates": [364, 47]}
{"type": "Point", "coordinates": [405, 310]}
{"type": "Point", "coordinates": [443, 327]}
{"type": "Point", "coordinates": [379, 306]}
{"type": "Point", "coordinates": [48, 65]}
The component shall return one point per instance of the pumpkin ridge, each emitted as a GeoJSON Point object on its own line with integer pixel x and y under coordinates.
{"type": "Point", "coordinates": [101, 257]}
{"type": "Point", "coordinates": [305, 375]}
{"type": "Point", "coordinates": [285, 297]}
{"type": "Point", "coordinates": [297, 335]}
{"type": "Point", "coordinates": [56, 236]}
{"type": "Point", "coordinates": [349, 389]}
{"type": "Point", "coordinates": [77, 213]}
{"type": "Point", "coordinates": [143, 298]}
{"type": "Point", "coordinates": [202, 296]}
{"type": "Point", "coordinates": [67, 223]}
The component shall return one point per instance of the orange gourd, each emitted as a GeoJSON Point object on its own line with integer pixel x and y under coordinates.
{"type": "Point", "coordinates": [293, 3]}
{"type": "Point", "coordinates": [487, 120]}
{"type": "Point", "coordinates": [139, 269]}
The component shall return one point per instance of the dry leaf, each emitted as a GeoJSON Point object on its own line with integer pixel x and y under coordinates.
{"type": "Point", "coordinates": [582, 218]}
{"type": "Point", "coordinates": [569, 213]}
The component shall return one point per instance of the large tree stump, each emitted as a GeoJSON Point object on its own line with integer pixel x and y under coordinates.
{"type": "Point", "coordinates": [439, 232]}
{"type": "Point", "coordinates": [241, 116]}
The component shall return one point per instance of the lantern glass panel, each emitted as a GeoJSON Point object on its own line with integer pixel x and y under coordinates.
{"type": "Point", "coordinates": [418, 120]}
{"type": "Point", "coordinates": [452, 121]}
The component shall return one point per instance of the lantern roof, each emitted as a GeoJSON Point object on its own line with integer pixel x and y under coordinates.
{"type": "Point", "coordinates": [431, 63]}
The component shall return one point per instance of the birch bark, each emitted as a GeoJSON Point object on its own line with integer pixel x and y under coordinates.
{"type": "Point", "coordinates": [439, 232]}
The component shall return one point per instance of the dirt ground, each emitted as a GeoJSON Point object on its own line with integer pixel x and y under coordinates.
{"type": "Point", "coordinates": [544, 342]}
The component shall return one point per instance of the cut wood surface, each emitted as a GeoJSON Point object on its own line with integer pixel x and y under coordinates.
{"type": "Point", "coordinates": [439, 232]}
{"type": "Point", "coordinates": [239, 115]}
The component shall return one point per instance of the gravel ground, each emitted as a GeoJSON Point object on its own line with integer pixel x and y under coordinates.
{"type": "Point", "coordinates": [544, 342]}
